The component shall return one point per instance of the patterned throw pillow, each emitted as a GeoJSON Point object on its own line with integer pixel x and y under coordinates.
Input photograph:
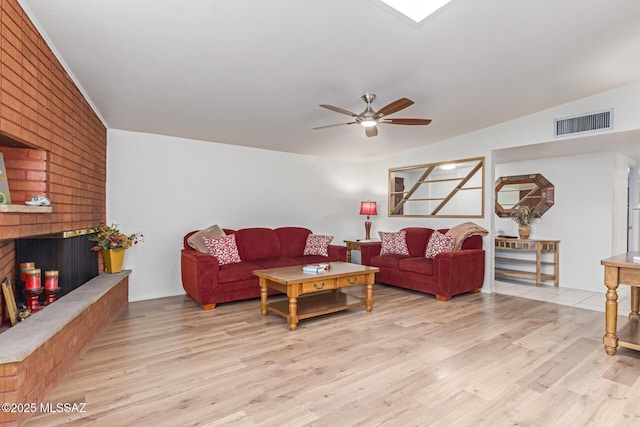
{"type": "Point", "coordinates": [394, 243]}
{"type": "Point", "coordinates": [224, 248]}
{"type": "Point", "coordinates": [439, 243]}
{"type": "Point", "coordinates": [196, 242]}
{"type": "Point", "coordinates": [317, 244]}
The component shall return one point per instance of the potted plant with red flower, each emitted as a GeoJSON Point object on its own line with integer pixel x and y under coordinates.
{"type": "Point", "coordinates": [113, 243]}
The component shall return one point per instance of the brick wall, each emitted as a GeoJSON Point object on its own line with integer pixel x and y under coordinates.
{"type": "Point", "coordinates": [46, 122]}
{"type": "Point", "coordinates": [52, 140]}
{"type": "Point", "coordinates": [53, 144]}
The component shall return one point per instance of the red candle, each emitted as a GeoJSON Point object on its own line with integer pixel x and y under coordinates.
{"type": "Point", "coordinates": [24, 267]}
{"type": "Point", "coordinates": [38, 278]}
{"type": "Point", "coordinates": [51, 279]}
{"type": "Point", "coordinates": [30, 280]}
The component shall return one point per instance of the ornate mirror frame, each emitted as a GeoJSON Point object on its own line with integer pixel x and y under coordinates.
{"type": "Point", "coordinates": [533, 190]}
{"type": "Point", "coordinates": [451, 189]}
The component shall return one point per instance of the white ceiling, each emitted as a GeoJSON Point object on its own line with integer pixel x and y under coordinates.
{"type": "Point", "coordinates": [253, 72]}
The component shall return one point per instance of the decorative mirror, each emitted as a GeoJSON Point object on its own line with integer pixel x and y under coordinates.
{"type": "Point", "coordinates": [534, 191]}
{"type": "Point", "coordinates": [452, 189]}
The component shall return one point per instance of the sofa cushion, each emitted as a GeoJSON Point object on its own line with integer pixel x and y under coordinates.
{"type": "Point", "coordinates": [238, 271]}
{"type": "Point", "coordinates": [393, 243]}
{"type": "Point", "coordinates": [317, 244]}
{"type": "Point", "coordinates": [438, 243]}
{"type": "Point", "coordinates": [417, 238]}
{"type": "Point", "coordinates": [417, 265]}
{"type": "Point", "coordinates": [275, 262]}
{"type": "Point", "coordinates": [196, 242]}
{"type": "Point", "coordinates": [224, 248]}
{"type": "Point", "coordinates": [312, 259]}
{"type": "Point", "coordinates": [257, 243]}
{"type": "Point", "coordinates": [386, 261]}
{"type": "Point", "coordinates": [292, 240]}
{"type": "Point", "coordinates": [472, 242]}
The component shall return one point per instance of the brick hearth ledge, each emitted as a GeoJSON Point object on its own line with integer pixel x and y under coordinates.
{"type": "Point", "coordinates": [37, 353]}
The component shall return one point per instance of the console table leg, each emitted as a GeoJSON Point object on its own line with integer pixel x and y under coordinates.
{"type": "Point", "coordinates": [635, 303]}
{"type": "Point", "coordinates": [610, 339]}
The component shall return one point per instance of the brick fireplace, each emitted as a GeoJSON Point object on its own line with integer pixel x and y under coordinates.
{"type": "Point", "coordinates": [52, 141]}
{"type": "Point", "coordinates": [54, 144]}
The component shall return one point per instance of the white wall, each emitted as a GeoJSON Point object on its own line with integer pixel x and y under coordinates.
{"type": "Point", "coordinates": [165, 187]}
{"type": "Point", "coordinates": [582, 217]}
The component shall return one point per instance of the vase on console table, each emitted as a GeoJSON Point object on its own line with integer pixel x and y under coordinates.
{"type": "Point", "coordinates": [113, 259]}
{"type": "Point", "coordinates": [524, 231]}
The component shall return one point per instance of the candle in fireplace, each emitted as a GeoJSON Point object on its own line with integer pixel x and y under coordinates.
{"type": "Point", "coordinates": [24, 267]}
{"type": "Point", "coordinates": [30, 280]}
{"type": "Point", "coordinates": [51, 279]}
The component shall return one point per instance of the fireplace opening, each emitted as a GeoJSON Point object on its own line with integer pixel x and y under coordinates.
{"type": "Point", "coordinates": [68, 252]}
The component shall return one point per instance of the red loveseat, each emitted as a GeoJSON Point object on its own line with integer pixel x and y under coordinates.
{"type": "Point", "coordinates": [446, 275]}
{"type": "Point", "coordinates": [209, 283]}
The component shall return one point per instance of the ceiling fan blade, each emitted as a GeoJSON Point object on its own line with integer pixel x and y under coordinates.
{"type": "Point", "coordinates": [337, 124]}
{"type": "Point", "coordinates": [371, 131]}
{"type": "Point", "coordinates": [422, 122]}
{"type": "Point", "coordinates": [338, 110]}
{"type": "Point", "coordinates": [394, 107]}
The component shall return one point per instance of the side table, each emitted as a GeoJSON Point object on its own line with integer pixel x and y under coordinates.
{"type": "Point", "coordinates": [356, 245]}
{"type": "Point", "coordinates": [621, 270]}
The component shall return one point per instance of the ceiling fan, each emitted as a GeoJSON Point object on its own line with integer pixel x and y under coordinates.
{"type": "Point", "coordinates": [369, 118]}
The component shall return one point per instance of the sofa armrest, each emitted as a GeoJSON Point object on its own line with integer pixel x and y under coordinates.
{"type": "Point", "coordinates": [368, 251]}
{"type": "Point", "coordinates": [459, 271]}
{"type": "Point", "coordinates": [200, 274]}
{"type": "Point", "coordinates": [337, 252]}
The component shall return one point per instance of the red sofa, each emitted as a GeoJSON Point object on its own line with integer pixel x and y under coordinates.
{"type": "Point", "coordinates": [446, 275]}
{"type": "Point", "coordinates": [209, 283]}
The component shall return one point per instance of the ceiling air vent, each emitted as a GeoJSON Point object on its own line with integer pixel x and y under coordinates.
{"type": "Point", "coordinates": [598, 121]}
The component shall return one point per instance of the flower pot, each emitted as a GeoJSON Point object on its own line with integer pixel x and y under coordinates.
{"type": "Point", "coordinates": [524, 231]}
{"type": "Point", "coordinates": [113, 259]}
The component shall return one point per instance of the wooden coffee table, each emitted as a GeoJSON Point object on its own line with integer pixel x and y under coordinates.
{"type": "Point", "coordinates": [308, 296]}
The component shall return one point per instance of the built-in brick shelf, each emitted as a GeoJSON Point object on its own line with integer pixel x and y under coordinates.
{"type": "Point", "coordinates": [25, 209]}
{"type": "Point", "coordinates": [35, 354]}
{"type": "Point", "coordinates": [26, 170]}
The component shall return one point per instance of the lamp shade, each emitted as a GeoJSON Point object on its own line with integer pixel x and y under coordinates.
{"type": "Point", "coordinates": [368, 208]}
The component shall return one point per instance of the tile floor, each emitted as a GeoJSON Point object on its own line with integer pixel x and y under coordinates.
{"type": "Point", "coordinates": [565, 296]}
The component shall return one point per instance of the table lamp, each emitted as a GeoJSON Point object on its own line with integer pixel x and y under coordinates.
{"type": "Point", "coordinates": [368, 208]}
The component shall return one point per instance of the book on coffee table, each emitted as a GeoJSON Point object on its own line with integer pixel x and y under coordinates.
{"type": "Point", "coordinates": [314, 269]}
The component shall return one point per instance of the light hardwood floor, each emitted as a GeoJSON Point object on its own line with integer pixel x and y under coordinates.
{"type": "Point", "coordinates": [477, 360]}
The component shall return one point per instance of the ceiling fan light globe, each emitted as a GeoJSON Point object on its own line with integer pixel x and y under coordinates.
{"type": "Point", "coordinates": [368, 123]}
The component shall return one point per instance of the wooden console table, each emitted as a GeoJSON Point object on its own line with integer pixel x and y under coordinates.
{"type": "Point", "coordinates": [621, 270]}
{"type": "Point", "coordinates": [537, 247]}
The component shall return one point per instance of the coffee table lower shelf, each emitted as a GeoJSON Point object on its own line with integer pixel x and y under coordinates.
{"type": "Point", "coordinates": [317, 304]}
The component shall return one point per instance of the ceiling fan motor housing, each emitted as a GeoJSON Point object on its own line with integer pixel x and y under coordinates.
{"type": "Point", "coordinates": [368, 117]}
